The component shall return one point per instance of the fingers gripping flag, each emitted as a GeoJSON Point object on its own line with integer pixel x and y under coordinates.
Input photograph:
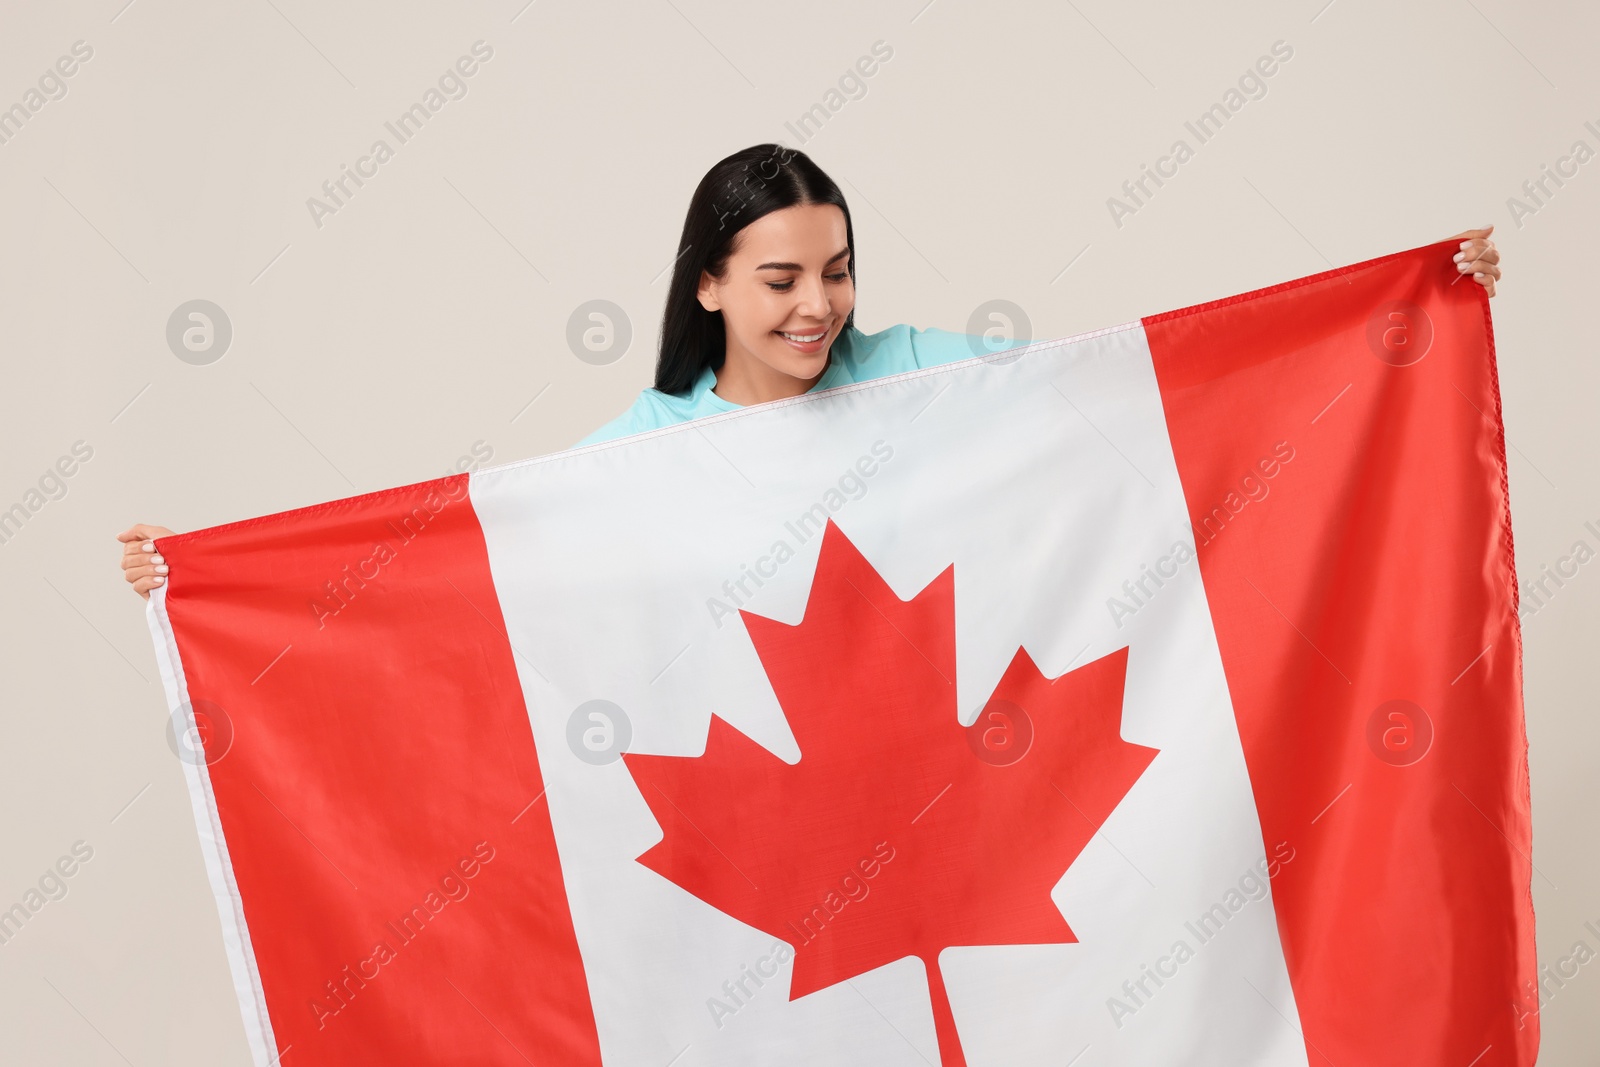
{"type": "Point", "coordinates": [1151, 696]}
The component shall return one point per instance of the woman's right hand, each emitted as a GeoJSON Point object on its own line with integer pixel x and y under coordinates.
{"type": "Point", "coordinates": [141, 566]}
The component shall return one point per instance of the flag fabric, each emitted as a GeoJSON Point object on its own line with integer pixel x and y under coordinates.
{"type": "Point", "coordinates": [1149, 696]}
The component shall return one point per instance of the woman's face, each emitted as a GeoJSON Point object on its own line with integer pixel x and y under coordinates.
{"type": "Point", "coordinates": [787, 279]}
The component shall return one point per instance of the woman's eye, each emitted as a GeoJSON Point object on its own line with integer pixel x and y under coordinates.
{"type": "Point", "coordinates": [784, 287]}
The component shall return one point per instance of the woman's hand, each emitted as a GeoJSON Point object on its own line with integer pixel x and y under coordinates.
{"type": "Point", "coordinates": [1479, 256]}
{"type": "Point", "coordinates": [141, 566]}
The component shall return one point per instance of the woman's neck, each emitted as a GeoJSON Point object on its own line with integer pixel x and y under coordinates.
{"type": "Point", "coordinates": [749, 381]}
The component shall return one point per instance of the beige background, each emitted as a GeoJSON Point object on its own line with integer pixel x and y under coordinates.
{"type": "Point", "coordinates": [423, 317]}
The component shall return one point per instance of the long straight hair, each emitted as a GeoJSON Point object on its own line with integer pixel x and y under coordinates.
{"type": "Point", "coordinates": [737, 191]}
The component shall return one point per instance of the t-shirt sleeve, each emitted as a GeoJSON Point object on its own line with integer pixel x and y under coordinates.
{"type": "Point", "coordinates": [932, 346]}
{"type": "Point", "coordinates": [636, 419]}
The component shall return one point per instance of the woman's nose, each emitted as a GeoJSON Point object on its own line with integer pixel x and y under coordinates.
{"type": "Point", "coordinates": [814, 299]}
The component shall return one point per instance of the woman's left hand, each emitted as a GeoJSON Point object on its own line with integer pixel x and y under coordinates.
{"type": "Point", "coordinates": [1479, 256]}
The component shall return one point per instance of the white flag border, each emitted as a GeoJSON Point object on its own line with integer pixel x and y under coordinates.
{"type": "Point", "coordinates": [247, 985]}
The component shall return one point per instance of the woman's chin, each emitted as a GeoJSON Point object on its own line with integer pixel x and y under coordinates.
{"type": "Point", "coordinates": [804, 365]}
{"type": "Point", "coordinates": [809, 370]}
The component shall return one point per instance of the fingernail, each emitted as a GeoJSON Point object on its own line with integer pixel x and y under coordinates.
{"type": "Point", "coordinates": [148, 546]}
{"type": "Point", "coordinates": [161, 570]}
{"type": "Point", "coordinates": [157, 559]}
{"type": "Point", "coordinates": [1466, 244]}
{"type": "Point", "coordinates": [157, 580]}
{"type": "Point", "coordinates": [1460, 256]}
{"type": "Point", "coordinates": [1463, 266]}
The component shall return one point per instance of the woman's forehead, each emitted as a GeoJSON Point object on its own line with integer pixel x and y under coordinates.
{"type": "Point", "coordinates": [802, 233]}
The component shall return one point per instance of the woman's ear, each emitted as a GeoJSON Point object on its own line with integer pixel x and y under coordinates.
{"type": "Point", "coordinates": [707, 293]}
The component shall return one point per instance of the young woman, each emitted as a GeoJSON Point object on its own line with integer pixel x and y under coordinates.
{"type": "Point", "coordinates": [762, 307]}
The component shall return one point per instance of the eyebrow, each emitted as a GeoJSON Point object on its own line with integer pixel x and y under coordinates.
{"type": "Point", "coordinates": [795, 266]}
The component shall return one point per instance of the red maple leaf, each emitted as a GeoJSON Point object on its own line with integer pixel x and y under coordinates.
{"type": "Point", "coordinates": [898, 832]}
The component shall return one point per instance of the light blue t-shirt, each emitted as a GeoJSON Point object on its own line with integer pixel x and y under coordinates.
{"type": "Point", "coordinates": [854, 357]}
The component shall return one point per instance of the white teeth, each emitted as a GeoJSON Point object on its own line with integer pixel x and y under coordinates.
{"type": "Point", "coordinates": [806, 338]}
